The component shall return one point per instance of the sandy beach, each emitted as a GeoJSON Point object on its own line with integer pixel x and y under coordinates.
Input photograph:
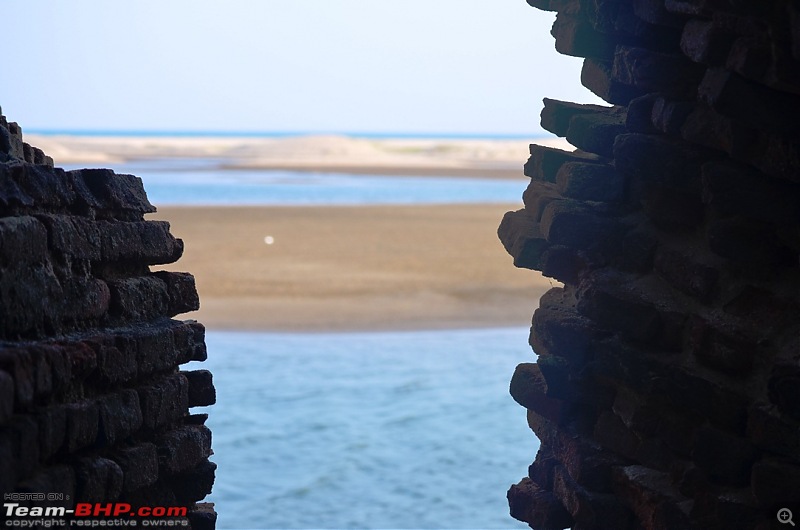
{"type": "Point", "coordinates": [352, 268]}
{"type": "Point", "coordinates": [436, 157]}
{"type": "Point", "coordinates": [339, 268]}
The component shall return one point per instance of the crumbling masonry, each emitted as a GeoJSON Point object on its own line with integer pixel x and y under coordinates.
{"type": "Point", "coordinates": [93, 405]}
{"type": "Point", "coordinates": [666, 394]}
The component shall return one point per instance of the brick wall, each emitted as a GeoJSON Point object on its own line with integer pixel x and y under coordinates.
{"type": "Point", "coordinates": [667, 388]}
{"type": "Point", "coordinates": [93, 404]}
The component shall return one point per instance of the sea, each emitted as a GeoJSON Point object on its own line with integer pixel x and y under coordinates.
{"type": "Point", "coordinates": [411, 430]}
{"type": "Point", "coordinates": [202, 182]}
{"type": "Point", "coordinates": [382, 430]}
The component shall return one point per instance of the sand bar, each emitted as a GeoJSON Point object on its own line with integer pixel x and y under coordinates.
{"type": "Point", "coordinates": [352, 268]}
{"type": "Point", "coordinates": [437, 157]}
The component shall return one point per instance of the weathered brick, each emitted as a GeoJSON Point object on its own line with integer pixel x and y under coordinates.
{"type": "Point", "coordinates": [183, 296]}
{"type": "Point", "coordinates": [704, 41]}
{"type": "Point", "coordinates": [72, 235]}
{"type": "Point", "coordinates": [189, 340]}
{"type": "Point", "coordinates": [201, 388]}
{"type": "Point", "coordinates": [556, 114]}
{"type": "Point", "coordinates": [728, 191]}
{"type": "Point", "coordinates": [563, 263]}
{"type": "Point", "coordinates": [114, 365]}
{"type": "Point", "coordinates": [576, 36]}
{"type": "Point", "coordinates": [21, 436]}
{"type": "Point", "coordinates": [195, 484]}
{"type": "Point", "coordinates": [724, 456]}
{"type": "Point", "coordinates": [639, 118]}
{"type": "Point", "coordinates": [653, 497]}
{"type": "Point", "coordinates": [155, 348]}
{"type": "Point", "coordinates": [120, 416]}
{"type": "Point", "coordinates": [522, 239]}
{"type": "Point", "coordinates": [22, 239]}
{"type": "Point", "coordinates": [56, 367]}
{"type": "Point", "coordinates": [638, 415]}
{"type": "Point", "coordinates": [55, 479]}
{"type": "Point", "coordinates": [545, 162]}
{"type": "Point", "coordinates": [771, 431]}
{"type": "Point", "coordinates": [750, 102]}
{"type": "Point", "coordinates": [98, 479]}
{"type": "Point", "coordinates": [590, 509]}
{"type": "Point", "coordinates": [136, 299]}
{"type": "Point", "coordinates": [612, 433]}
{"type": "Point", "coordinates": [81, 358]}
{"type": "Point", "coordinates": [529, 389]}
{"type": "Point", "coordinates": [784, 388]}
{"type": "Point", "coordinates": [6, 396]}
{"type": "Point", "coordinates": [776, 482]}
{"type": "Point", "coordinates": [537, 196]}
{"type": "Point", "coordinates": [203, 516]}
{"type": "Point", "coordinates": [31, 301]}
{"type": "Point", "coordinates": [595, 132]}
{"type": "Point", "coordinates": [653, 11]}
{"type": "Point", "coordinates": [139, 465]}
{"type": "Point", "coordinates": [749, 243]}
{"type": "Point", "coordinates": [184, 448]}
{"type": "Point", "coordinates": [637, 250]}
{"type": "Point", "coordinates": [670, 116]}
{"type": "Point", "coordinates": [48, 187]}
{"type": "Point", "coordinates": [751, 57]}
{"type": "Point", "coordinates": [8, 460]}
{"type": "Point", "coordinates": [585, 461]}
{"type": "Point", "coordinates": [11, 195]}
{"type": "Point", "coordinates": [164, 401]}
{"type": "Point", "coordinates": [689, 391]}
{"type": "Point", "coordinates": [18, 363]}
{"type": "Point", "coordinates": [661, 161]}
{"type": "Point", "coordinates": [541, 470]}
{"type": "Point", "coordinates": [597, 77]}
{"type": "Point", "coordinates": [621, 308]}
{"type": "Point", "coordinates": [117, 192]}
{"type": "Point", "coordinates": [148, 242]}
{"type": "Point", "coordinates": [687, 274]}
{"type": "Point", "coordinates": [539, 508]}
{"type": "Point", "coordinates": [647, 70]}
{"type": "Point", "coordinates": [558, 329]}
{"type": "Point", "coordinates": [573, 224]}
{"type": "Point", "coordinates": [82, 425]}
{"type": "Point", "coordinates": [722, 347]}
{"type": "Point", "coordinates": [729, 509]}
{"type": "Point", "coordinates": [52, 424]}
{"type": "Point", "coordinates": [590, 182]}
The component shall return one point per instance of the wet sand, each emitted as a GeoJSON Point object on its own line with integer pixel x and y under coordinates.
{"type": "Point", "coordinates": [352, 268]}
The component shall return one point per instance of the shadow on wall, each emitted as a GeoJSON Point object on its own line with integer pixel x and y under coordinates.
{"type": "Point", "coordinates": [666, 391]}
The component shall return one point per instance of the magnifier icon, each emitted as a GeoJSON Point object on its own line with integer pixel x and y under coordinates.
{"type": "Point", "coordinates": [785, 516]}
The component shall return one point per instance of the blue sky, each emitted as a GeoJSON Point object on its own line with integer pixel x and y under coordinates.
{"type": "Point", "coordinates": [410, 66]}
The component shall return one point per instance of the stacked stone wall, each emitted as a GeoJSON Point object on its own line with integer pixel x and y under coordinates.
{"type": "Point", "coordinates": [93, 404]}
{"type": "Point", "coordinates": [666, 393]}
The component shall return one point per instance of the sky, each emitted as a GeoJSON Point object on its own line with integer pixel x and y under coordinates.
{"type": "Point", "coordinates": [365, 66]}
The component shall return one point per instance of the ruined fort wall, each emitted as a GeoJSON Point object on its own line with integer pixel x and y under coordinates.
{"type": "Point", "coordinates": [93, 403]}
{"type": "Point", "coordinates": [667, 388]}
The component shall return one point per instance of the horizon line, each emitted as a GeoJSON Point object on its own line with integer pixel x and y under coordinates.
{"type": "Point", "coordinates": [278, 134]}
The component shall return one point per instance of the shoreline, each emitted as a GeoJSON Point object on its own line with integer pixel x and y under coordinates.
{"type": "Point", "coordinates": [487, 158]}
{"type": "Point", "coordinates": [352, 268]}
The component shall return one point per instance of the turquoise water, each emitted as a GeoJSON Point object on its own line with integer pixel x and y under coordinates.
{"type": "Point", "coordinates": [200, 182]}
{"type": "Point", "coordinates": [367, 430]}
